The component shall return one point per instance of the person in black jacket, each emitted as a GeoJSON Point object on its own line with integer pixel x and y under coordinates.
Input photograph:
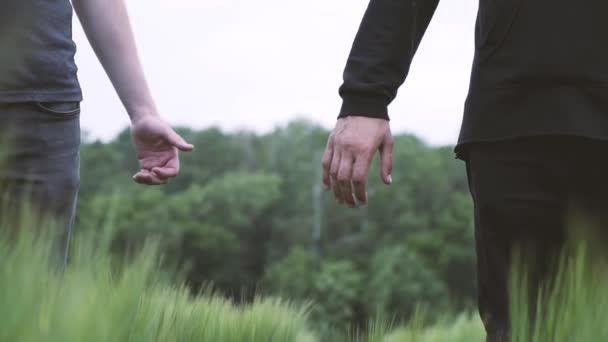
{"type": "Point", "coordinates": [533, 134]}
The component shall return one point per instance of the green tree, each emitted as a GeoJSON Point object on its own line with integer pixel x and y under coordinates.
{"type": "Point", "coordinates": [399, 281]}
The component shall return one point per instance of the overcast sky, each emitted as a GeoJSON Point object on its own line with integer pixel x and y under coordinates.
{"type": "Point", "coordinates": [243, 64]}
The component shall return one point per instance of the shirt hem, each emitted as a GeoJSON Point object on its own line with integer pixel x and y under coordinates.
{"type": "Point", "coordinates": [461, 147]}
{"type": "Point", "coordinates": [40, 96]}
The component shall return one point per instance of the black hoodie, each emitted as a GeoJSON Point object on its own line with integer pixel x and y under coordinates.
{"type": "Point", "coordinates": [540, 66]}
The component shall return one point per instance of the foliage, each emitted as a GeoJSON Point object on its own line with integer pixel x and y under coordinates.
{"type": "Point", "coordinates": [336, 288]}
{"type": "Point", "coordinates": [247, 215]}
{"type": "Point", "coordinates": [402, 282]}
{"type": "Point", "coordinates": [572, 305]}
{"type": "Point", "coordinates": [465, 328]}
{"type": "Point", "coordinates": [97, 299]}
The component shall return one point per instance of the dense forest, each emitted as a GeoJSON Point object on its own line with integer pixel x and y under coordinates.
{"type": "Point", "coordinates": [248, 216]}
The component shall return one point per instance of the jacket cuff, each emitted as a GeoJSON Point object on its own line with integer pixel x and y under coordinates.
{"type": "Point", "coordinates": [364, 105]}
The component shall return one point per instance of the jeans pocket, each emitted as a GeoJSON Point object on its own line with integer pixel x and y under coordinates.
{"type": "Point", "coordinates": [60, 109]}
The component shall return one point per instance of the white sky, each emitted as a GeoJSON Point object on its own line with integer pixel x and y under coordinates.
{"type": "Point", "coordinates": [244, 64]}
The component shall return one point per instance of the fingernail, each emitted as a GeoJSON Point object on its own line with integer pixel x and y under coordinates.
{"type": "Point", "coordinates": [390, 179]}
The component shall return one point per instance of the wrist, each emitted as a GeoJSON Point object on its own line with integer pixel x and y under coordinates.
{"type": "Point", "coordinates": [368, 106]}
{"type": "Point", "coordinates": [138, 113]}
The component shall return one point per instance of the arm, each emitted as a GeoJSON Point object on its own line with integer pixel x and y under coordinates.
{"type": "Point", "coordinates": [106, 24]}
{"type": "Point", "coordinates": [108, 29]}
{"type": "Point", "coordinates": [388, 38]}
{"type": "Point", "coordinates": [380, 59]}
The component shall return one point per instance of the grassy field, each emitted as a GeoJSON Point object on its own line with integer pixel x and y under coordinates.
{"type": "Point", "coordinates": [97, 299]}
{"type": "Point", "coordinates": [465, 328]}
{"type": "Point", "coordinates": [575, 307]}
{"type": "Point", "coordinates": [100, 299]}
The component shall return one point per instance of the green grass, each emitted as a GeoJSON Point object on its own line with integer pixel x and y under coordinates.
{"type": "Point", "coordinates": [99, 298]}
{"type": "Point", "coordinates": [574, 307]}
{"type": "Point", "coordinates": [465, 328]}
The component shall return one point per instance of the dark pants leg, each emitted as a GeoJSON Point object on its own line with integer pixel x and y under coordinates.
{"type": "Point", "coordinates": [39, 163]}
{"type": "Point", "coordinates": [524, 193]}
{"type": "Point", "coordinates": [521, 193]}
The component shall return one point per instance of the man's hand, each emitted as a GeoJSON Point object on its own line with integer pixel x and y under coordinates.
{"type": "Point", "coordinates": [156, 145]}
{"type": "Point", "coordinates": [349, 153]}
{"type": "Point", "coordinates": [107, 26]}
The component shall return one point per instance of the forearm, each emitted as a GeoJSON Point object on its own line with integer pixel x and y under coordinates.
{"type": "Point", "coordinates": [381, 55]}
{"type": "Point", "coordinates": [106, 24]}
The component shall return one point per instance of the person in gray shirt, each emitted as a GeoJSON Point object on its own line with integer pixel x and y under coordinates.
{"type": "Point", "coordinates": [40, 104]}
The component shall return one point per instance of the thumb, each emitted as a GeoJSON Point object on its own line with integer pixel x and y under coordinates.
{"type": "Point", "coordinates": [386, 159]}
{"type": "Point", "coordinates": [177, 141]}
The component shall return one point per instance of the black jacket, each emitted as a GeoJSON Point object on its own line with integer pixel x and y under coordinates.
{"type": "Point", "coordinates": [540, 66]}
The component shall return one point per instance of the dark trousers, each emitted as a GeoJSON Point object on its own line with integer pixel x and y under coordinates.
{"type": "Point", "coordinates": [524, 191]}
{"type": "Point", "coordinates": [39, 165]}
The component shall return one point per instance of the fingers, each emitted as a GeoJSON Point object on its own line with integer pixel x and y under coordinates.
{"type": "Point", "coordinates": [333, 175]}
{"type": "Point", "coordinates": [157, 147]}
{"type": "Point", "coordinates": [170, 169]}
{"type": "Point", "coordinates": [165, 172]}
{"type": "Point", "coordinates": [345, 173]}
{"type": "Point", "coordinates": [359, 179]}
{"type": "Point", "coordinates": [159, 174]}
{"type": "Point", "coordinates": [177, 141]}
{"type": "Point", "coordinates": [326, 163]}
{"type": "Point", "coordinates": [148, 178]}
{"type": "Point", "coordinates": [348, 178]}
{"type": "Point", "coordinates": [386, 159]}
{"type": "Point", "coordinates": [349, 154]}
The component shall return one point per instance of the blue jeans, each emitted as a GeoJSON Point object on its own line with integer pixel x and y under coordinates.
{"type": "Point", "coordinates": [39, 164]}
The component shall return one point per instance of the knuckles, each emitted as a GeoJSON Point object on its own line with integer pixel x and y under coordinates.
{"type": "Point", "coordinates": [343, 179]}
{"type": "Point", "coordinates": [352, 145]}
{"type": "Point", "coordinates": [333, 171]}
{"type": "Point", "coordinates": [358, 179]}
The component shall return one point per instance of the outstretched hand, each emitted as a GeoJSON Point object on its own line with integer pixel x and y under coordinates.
{"type": "Point", "coordinates": [350, 150]}
{"type": "Point", "coordinates": [157, 147]}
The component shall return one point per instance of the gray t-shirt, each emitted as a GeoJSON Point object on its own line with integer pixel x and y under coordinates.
{"type": "Point", "coordinates": [37, 52]}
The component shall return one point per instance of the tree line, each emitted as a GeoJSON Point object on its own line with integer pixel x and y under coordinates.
{"type": "Point", "coordinates": [248, 216]}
